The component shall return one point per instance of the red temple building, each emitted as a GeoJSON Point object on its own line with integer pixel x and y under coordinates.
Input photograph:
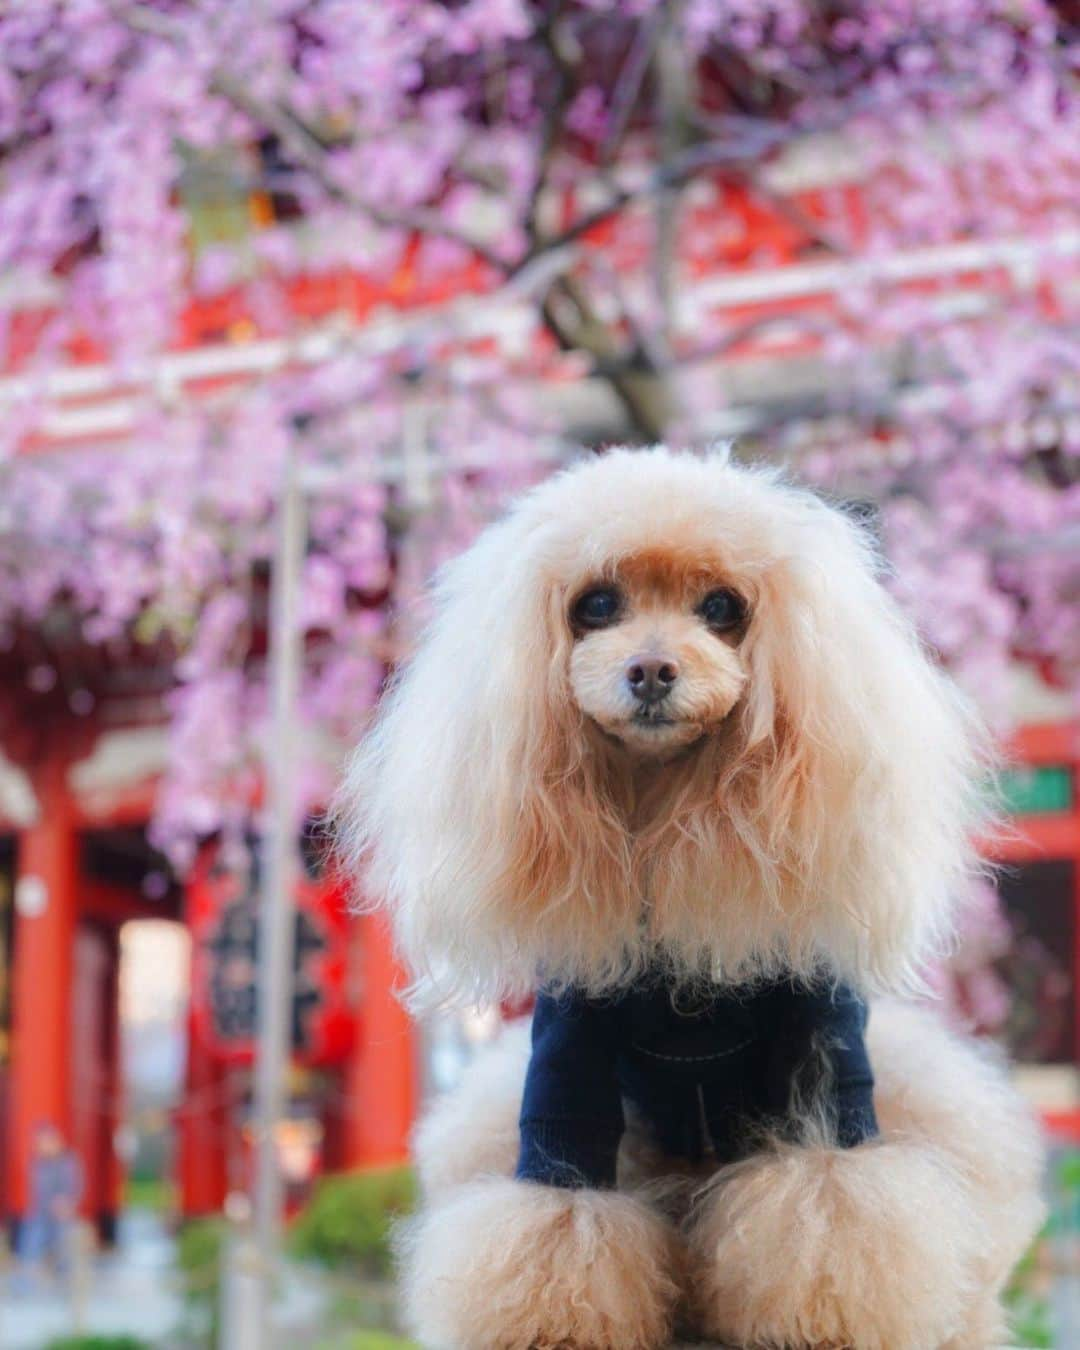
{"type": "Point", "coordinates": [71, 880]}
{"type": "Point", "coordinates": [73, 862]}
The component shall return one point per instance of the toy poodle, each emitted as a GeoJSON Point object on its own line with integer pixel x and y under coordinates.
{"type": "Point", "coordinates": [670, 758]}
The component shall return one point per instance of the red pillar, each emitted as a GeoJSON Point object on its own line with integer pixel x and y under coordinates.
{"type": "Point", "coordinates": [42, 969]}
{"type": "Point", "coordinates": [202, 1132]}
{"type": "Point", "coordinates": [96, 1073]}
{"type": "Point", "coordinates": [335, 1126]}
{"type": "Point", "coordinates": [89, 1088]}
{"type": "Point", "coordinates": [381, 1077]}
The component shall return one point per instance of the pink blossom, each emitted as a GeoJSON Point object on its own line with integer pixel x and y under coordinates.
{"type": "Point", "coordinates": [958, 118]}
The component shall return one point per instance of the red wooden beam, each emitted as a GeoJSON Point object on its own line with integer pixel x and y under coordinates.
{"type": "Point", "coordinates": [381, 1078]}
{"type": "Point", "coordinates": [103, 810]}
{"type": "Point", "coordinates": [1038, 837]}
{"type": "Point", "coordinates": [95, 1074]}
{"type": "Point", "coordinates": [1046, 743]}
{"type": "Point", "coordinates": [202, 1132]}
{"type": "Point", "coordinates": [1055, 834]}
{"type": "Point", "coordinates": [46, 903]}
{"type": "Point", "coordinates": [112, 904]}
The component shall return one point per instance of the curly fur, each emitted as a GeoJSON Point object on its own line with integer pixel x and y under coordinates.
{"type": "Point", "coordinates": [819, 816]}
{"type": "Point", "coordinates": [934, 1087]}
{"type": "Point", "coordinates": [871, 1247]}
{"type": "Point", "coordinates": [951, 1125]}
{"type": "Point", "coordinates": [508, 1265]}
{"type": "Point", "coordinates": [448, 1147]}
{"type": "Point", "coordinates": [826, 821]}
{"type": "Point", "coordinates": [904, 1244]}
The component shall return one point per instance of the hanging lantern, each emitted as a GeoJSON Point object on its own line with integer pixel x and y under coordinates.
{"type": "Point", "coordinates": [223, 913]}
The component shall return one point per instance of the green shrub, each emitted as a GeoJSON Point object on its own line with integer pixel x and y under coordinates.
{"type": "Point", "coordinates": [1027, 1299]}
{"type": "Point", "coordinates": [367, 1340]}
{"type": "Point", "coordinates": [104, 1343]}
{"type": "Point", "coordinates": [199, 1249]}
{"type": "Point", "coordinates": [347, 1222]}
{"type": "Point", "coordinates": [153, 1193]}
{"type": "Point", "coordinates": [1031, 1323]}
{"type": "Point", "coordinates": [377, 1340]}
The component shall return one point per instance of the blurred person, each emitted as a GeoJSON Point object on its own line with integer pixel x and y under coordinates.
{"type": "Point", "coordinates": [56, 1183]}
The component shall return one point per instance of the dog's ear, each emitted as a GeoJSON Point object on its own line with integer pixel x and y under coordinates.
{"type": "Point", "coordinates": [870, 766]}
{"type": "Point", "coordinates": [468, 809]}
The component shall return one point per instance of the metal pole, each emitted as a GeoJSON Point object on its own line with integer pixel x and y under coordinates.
{"type": "Point", "coordinates": [276, 917]}
{"type": "Point", "coordinates": [79, 1243]}
{"type": "Point", "coordinates": [240, 1301]}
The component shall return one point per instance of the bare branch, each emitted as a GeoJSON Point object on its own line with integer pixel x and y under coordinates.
{"type": "Point", "coordinates": [554, 116]}
{"type": "Point", "coordinates": [310, 153]}
{"type": "Point", "coordinates": [791, 211]}
{"type": "Point", "coordinates": [575, 327]}
{"type": "Point", "coordinates": [564, 304]}
{"type": "Point", "coordinates": [628, 86]}
{"type": "Point", "coordinates": [679, 171]}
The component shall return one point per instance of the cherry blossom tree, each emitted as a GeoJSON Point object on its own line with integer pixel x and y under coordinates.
{"type": "Point", "coordinates": [558, 177]}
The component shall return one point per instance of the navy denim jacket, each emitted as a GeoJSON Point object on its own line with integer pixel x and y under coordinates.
{"type": "Point", "coordinates": [705, 1073]}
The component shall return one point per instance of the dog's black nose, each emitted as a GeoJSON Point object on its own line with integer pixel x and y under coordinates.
{"type": "Point", "coordinates": [651, 678]}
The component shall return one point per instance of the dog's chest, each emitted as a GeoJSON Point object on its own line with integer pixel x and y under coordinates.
{"type": "Point", "coordinates": [689, 1032]}
{"type": "Point", "coordinates": [703, 1072]}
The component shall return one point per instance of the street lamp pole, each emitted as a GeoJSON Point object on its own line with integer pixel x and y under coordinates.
{"type": "Point", "coordinates": [277, 907]}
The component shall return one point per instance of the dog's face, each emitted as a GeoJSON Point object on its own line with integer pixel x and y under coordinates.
{"type": "Point", "coordinates": [772, 775]}
{"type": "Point", "coordinates": [656, 659]}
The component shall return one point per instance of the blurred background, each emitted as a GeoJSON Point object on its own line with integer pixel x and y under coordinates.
{"type": "Point", "coordinates": [293, 295]}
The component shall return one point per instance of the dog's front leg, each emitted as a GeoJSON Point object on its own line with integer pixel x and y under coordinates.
{"type": "Point", "coordinates": [503, 1264]}
{"type": "Point", "coordinates": [554, 1256]}
{"type": "Point", "coordinates": [804, 1247]}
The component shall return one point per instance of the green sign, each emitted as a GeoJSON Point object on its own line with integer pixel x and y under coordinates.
{"type": "Point", "coordinates": [1037, 791]}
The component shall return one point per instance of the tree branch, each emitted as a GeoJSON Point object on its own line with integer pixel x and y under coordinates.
{"type": "Point", "coordinates": [791, 211]}
{"type": "Point", "coordinates": [305, 146]}
{"type": "Point", "coordinates": [554, 115]}
{"type": "Point", "coordinates": [681, 169]}
{"type": "Point", "coordinates": [637, 382]}
{"type": "Point", "coordinates": [628, 86]}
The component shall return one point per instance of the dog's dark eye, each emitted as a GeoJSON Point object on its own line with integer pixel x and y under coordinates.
{"type": "Point", "coordinates": [596, 608]}
{"type": "Point", "coordinates": [722, 610]}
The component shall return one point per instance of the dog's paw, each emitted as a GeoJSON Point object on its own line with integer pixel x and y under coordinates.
{"type": "Point", "coordinates": [873, 1247]}
{"type": "Point", "coordinates": [511, 1265]}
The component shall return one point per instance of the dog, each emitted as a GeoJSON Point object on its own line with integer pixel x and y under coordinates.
{"type": "Point", "coordinates": [670, 757]}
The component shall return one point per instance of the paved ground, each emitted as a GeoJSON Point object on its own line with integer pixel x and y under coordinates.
{"type": "Point", "coordinates": [131, 1290]}
{"type": "Point", "coordinates": [134, 1290]}
{"type": "Point", "coordinates": [1065, 1302]}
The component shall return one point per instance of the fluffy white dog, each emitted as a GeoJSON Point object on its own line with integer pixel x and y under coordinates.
{"type": "Point", "coordinates": [671, 756]}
